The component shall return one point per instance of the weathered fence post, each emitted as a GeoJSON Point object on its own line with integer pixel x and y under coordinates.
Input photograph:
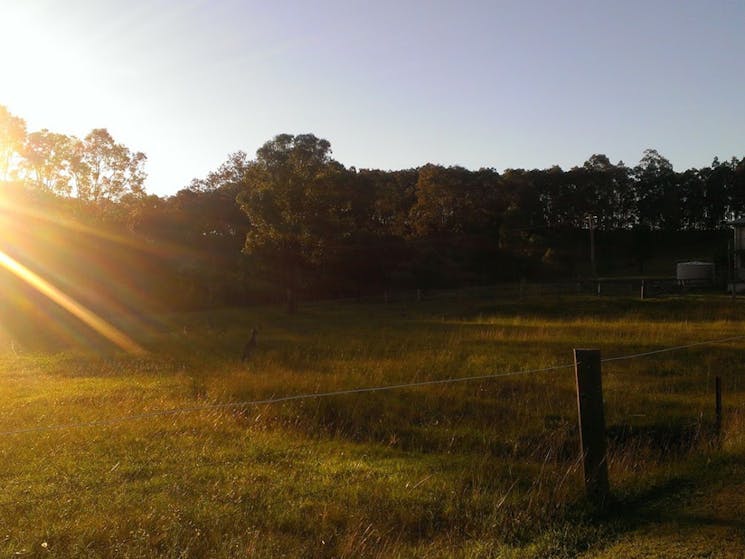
{"type": "Point", "coordinates": [641, 291]}
{"type": "Point", "coordinates": [592, 424]}
{"type": "Point", "coordinates": [718, 392]}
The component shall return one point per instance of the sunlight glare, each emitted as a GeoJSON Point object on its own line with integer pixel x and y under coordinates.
{"type": "Point", "coordinates": [85, 315]}
{"type": "Point", "coordinates": [36, 79]}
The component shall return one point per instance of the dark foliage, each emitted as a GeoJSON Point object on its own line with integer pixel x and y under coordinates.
{"type": "Point", "coordinates": [293, 221]}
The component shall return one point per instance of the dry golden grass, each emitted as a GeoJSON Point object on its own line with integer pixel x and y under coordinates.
{"type": "Point", "coordinates": [485, 468]}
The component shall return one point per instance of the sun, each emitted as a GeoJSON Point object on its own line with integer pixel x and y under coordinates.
{"type": "Point", "coordinates": [25, 43]}
{"type": "Point", "coordinates": [45, 67]}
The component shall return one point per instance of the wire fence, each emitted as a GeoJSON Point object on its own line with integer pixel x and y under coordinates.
{"type": "Point", "coordinates": [631, 286]}
{"type": "Point", "coordinates": [107, 481]}
{"type": "Point", "coordinates": [358, 390]}
{"type": "Point", "coordinates": [672, 348]}
{"type": "Point", "coordinates": [277, 400]}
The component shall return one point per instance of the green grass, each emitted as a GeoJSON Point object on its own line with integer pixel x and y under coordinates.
{"type": "Point", "coordinates": [477, 469]}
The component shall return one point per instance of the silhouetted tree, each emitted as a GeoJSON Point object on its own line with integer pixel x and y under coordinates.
{"type": "Point", "coordinates": [718, 182]}
{"type": "Point", "coordinates": [658, 198]}
{"type": "Point", "coordinates": [12, 136]}
{"type": "Point", "coordinates": [47, 160]}
{"type": "Point", "coordinates": [455, 201]}
{"type": "Point", "coordinates": [106, 170]}
{"type": "Point", "coordinates": [231, 172]}
{"type": "Point", "coordinates": [292, 199]}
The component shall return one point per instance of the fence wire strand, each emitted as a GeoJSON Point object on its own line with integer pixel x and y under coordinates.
{"type": "Point", "coordinates": [672, 348]}
{"type": "Point", "coordinates": [361, 390]}
{"type": "Point", "coordinates": [277, 400]}
{"type": "Point", "coordinates": [266, 401]}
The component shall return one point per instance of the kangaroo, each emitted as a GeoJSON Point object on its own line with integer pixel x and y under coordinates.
{"type": "Point", "coordinates": [250, 346]}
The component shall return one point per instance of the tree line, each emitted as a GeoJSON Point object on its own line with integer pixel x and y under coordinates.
{"type": "Point", "coordinates": [293, 220]}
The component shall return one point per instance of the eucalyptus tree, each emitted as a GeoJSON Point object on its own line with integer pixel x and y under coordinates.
{"type": "Point", "coordinates": [231, 172]}
{"type": "Point", "coordinates": [657, 196]}
{"type": "Point", "coordinates": [298, 210]}
{"type": "Point", "coordinates": [718, 181]}
{"type": "Point", "coordinates": [12, 137]}
{"type": "Point", "coordinates": [47, 161]}
{"type": "Point", "coordinates": [104, 170]}
{"type": "Point", "coordinates": [455, 201]}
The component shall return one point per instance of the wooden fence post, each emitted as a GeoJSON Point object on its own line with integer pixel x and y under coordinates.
{"type": "Point", "coordinates": [641, 291]}
{"type": "Point", "coordinates": [592, 424]}
{"type": "Point", "coordinates": [718, 408]}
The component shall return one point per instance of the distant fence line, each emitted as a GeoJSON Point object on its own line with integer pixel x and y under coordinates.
{"type": "Point", "coordinates": [516, 290]}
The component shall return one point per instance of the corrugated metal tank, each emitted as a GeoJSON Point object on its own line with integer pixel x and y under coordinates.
{"type": "Point", "coordinates": [695, 272]}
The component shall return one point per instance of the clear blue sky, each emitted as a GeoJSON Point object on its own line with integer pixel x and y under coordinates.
{"type": "Point", "coordinates": [392, 84]}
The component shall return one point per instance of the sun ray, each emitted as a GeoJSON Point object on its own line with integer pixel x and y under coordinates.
{"type": "Point", "coordinates": [88, 317]}
{"type": "Point", "coordinates": [65, 252]}
{"type": "Point", "coordinates": [163, 248]}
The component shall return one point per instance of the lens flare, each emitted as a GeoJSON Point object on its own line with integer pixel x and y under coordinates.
{"type": "Point", "coordinates": [114, 335]}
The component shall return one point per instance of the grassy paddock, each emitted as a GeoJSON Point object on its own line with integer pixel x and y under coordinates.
{"type": "Point", "coordinates": [475, 469]}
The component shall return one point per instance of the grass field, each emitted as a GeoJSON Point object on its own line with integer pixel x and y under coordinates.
{"type": "Point", "coordinates": [90, 467]}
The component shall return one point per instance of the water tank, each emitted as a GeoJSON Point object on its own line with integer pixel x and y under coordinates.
{"type": "Point", "coordinates": [695, 273]}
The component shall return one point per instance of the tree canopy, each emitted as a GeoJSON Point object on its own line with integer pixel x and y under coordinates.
{"type": "Point", "coordinates": [294, 202]}
{"type": "Point", "coordinates": [292, 217]}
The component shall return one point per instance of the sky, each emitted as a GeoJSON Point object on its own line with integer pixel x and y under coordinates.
{"type": "Point", "coordinates": [391, 84]}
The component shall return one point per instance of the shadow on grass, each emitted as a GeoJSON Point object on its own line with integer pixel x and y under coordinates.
{"type": "Point", "coordinates": [666, 501]}
{"type": "Point", "coordinates": [665, 439]}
